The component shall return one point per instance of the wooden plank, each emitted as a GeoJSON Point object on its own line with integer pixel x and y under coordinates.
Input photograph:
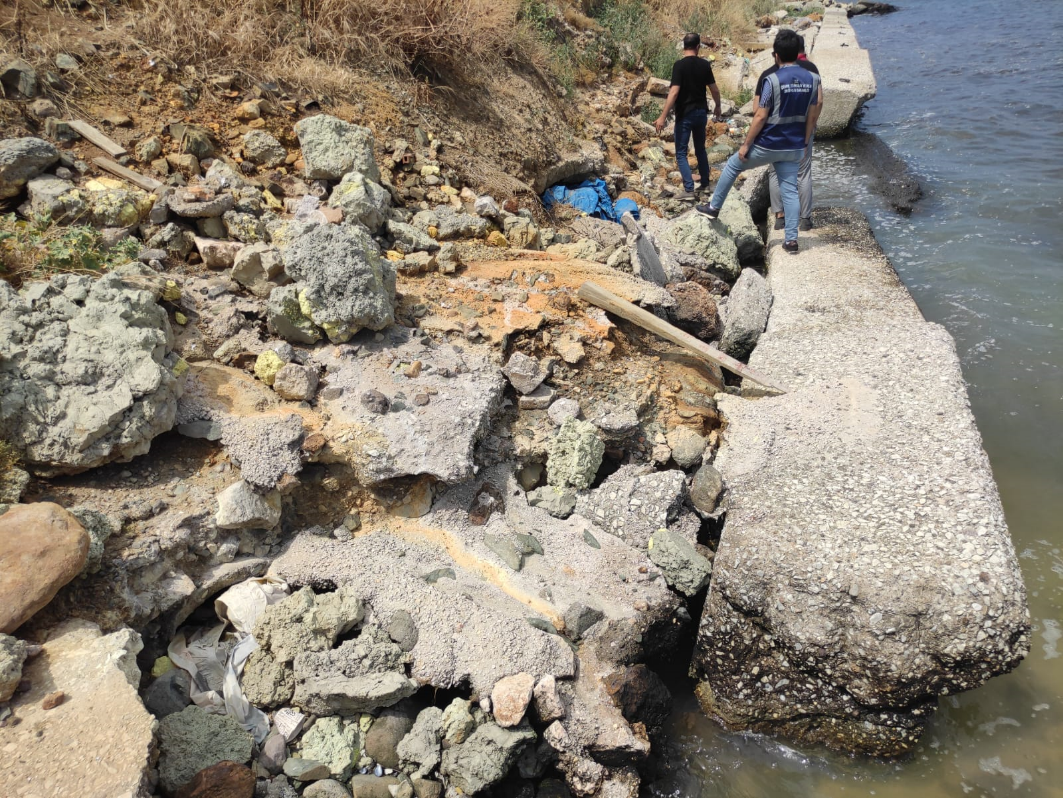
{"type": "Point", "coordinates": [91, 134]}
{"type": "Point", "coordinates": [596, 295]}
{"type": "Point", "coordinates": [137, 179]}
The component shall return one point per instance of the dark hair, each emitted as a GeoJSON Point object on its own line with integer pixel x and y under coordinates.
{"type": "Point", "coordinates": [801, 46]}
{"type": "Point", "coordinates": [692, 41]}
{"type": "Point", "coordinates": [787, 46]}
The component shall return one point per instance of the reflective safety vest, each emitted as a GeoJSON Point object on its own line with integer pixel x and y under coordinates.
{"type": "Point", "coordinates": [793, 92]}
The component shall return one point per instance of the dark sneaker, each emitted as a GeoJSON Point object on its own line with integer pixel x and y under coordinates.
{"type": "Point", "coordinates": [708, 210]}
{"type": "Point", "coordinates": [790, 246]}
{"type": "Point", "coordinates": [780, 223]}
{"type": "Point", "coordinates": [805, 225]}
{"type": "Point", "coordinates": [684, 196]}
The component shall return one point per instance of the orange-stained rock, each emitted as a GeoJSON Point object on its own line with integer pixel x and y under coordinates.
{"type": "Point", "coordinates": [42, 547]}
{"type": "Point", "coordinates": [223, 780]}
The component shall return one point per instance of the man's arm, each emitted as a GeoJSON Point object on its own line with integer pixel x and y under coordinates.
{"type": "Point", "coordinates": [669, 104]}
{"type": "Point", "coordinates": [813, 116]}
{"type": "Point", "coordinates": [759, 118]}
{"type": "Point", "coordinates": [715, 91]}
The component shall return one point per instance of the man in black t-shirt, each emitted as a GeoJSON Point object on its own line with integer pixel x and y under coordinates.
{"type": "Point", "coordinates": [691, 76]}
{"type": "Point", "coordinates": [804, 174]}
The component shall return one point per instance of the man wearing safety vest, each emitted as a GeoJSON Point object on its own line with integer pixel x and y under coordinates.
{"type": "Point", "coordinates": [790, 105]}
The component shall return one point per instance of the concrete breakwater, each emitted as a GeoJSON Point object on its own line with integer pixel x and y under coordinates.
{"type": "Point", "coordinates": [865, 567]}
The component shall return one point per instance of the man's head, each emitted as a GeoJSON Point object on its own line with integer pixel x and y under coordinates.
{"type": "Point", "coordinates": [801, 45]}
{"type": "Point", "coordinates": [692, 41]}
{"type": "Point", "coordinates": [787, 46]}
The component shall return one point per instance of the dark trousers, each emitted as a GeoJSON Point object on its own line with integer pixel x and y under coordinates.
{"type": "Point", "coordinates": [692, 123]}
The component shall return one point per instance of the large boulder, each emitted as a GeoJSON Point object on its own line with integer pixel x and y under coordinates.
{"type": "Point", "coordinates": [736, 214]}
{"type": "Point", "coordinates": [332, 148]}
{"type": "Point", "coordinates": [42, 547]}
{"type": "Point", "coordinates": [695, 234]}
{"type": "Point", "coordinates": [100, 740]}
{"type": "Point", "coordinates": [745, 314]}
{"type": "Point", "coordinates": [344, 284]}
{"type": "Point", "coordinates": [21, 160]}
{"type": "Point", "coordinates": [361, 200]}
{"type": "Point", "coordinates": [86, 372]}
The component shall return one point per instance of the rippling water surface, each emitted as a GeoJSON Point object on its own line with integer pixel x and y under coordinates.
{"type": "Point", "coordinates": [970, 94]}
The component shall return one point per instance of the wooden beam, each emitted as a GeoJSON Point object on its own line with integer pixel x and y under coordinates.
{"type": "Point", "coordinates": [94, 136]}
{"type": "Point", "coordinates": [596, 295]}
{"type": "Point", "coordinates": [137, 179]}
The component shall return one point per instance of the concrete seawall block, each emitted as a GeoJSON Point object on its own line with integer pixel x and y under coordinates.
{"type": "Point", "coordinates": [845, 67]}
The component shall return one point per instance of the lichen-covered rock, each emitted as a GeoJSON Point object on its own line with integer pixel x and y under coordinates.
{"type": "Point", "coordinates": [735, 214]}
{"type": "Point", "coordinates": [306, 622]}
{"type": "Point", "coordinates": [261, 148]}
{"type": "Point", "coordinates": [458, 721]}
{"type": "Point", "coordinates": [85, 371]}
{"type": "Point", "coordinates": [695, 234]}
{"type": "Point", "coordinates": [243, 226]}
{"type": "Point", "coordinates": [194, 739]}
{"type": "Point", "coordinates": [332, 148]}
{"type": "Point", "coordinates": [575, 454]}
{"type": "Point", "coordinates": [117, 207]}
{"type": "Point", "coordinates": [284, 317]}
{"type": "Point", "coordinates": [21, 160]}
{"type": "Point", "coordinates": [12, 655]}
{"type": "Point", "coordinates": [267, 365]}
{"type": "Point", "coordinates": [267, 683]}
{"type": "Point", "coordinates": [485, 758]}
{"type": "Point", "coordinates": [344, 284]}
{"type": "Point", "coordinates": [683, 568]}
{"type": "Point", "coordinates": [745, 314]}
{"type": "Point", "coordinates": [361, 200]}
{"type": "Point", "coordinates": [332, 741]}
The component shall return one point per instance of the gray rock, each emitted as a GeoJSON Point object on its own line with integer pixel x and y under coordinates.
{"type": "Point", "coordinates": [56, 199]}
{"type": "Point", "coordinates": [575, 454]}
{"type": "Point", "coordinates": [333, 148]}
{"type": "Point", "coordinates": [13, 483]}
{"type": "Point", "coordinates": [258, 267]}
{"type": "Point", "coordinates": [274, 751]}
{"type": "Point", "coordinates": [344, 284]}
{"type": "Point", "coordinates": [332, 741]}
{"type": "Point", "coordinates": [19, 78]}
{"type": "Point", "coordinates": [267, 683]}
{"type": "Point", "coordinates": [745, 314]}
{"type": "Point", "coordinates": [451, 224]}
{"type": "Point", "coordinates": [524, 373]}
{"type": "Point", "coordinates": [486, 207]}
{"type": "Point", "coordinates": [368, 786]}
{"type": "Point", "coordinates": [458, 721]}
{"type": "Point", "coordinates": [579, 618]}
{"type": "Point", "coordinates": [193, 139]}
{"type": "Point", "coordinates": [193, 739]}
{"type": "Point", "coordinates": [296, 383]}
{"type": "Point", "coordinates": [427, 788]}
{"type": "Point", "coordinates": [635, 502]}
{"type": "Point", "coordinates": [279, 787]}
{"type": "Point", "coordinates": [326, 788]}
{"type": "Point", "coordinates": [100, 527]}
{"type": "Point", "coordinates": [521, 232]}
{"type": "Point", "coordinates": [419, 751]}
{"type": "Point", "coordinates": [261, 148]}
{"type": "Point", "coordinates": [361, 675]}
{"type": "Point", "coordinates": [559, 502]}
{"type": "Point", "coordinates": [199, 209]}
{"type": "Point", "coordinates": [408, 238]}
{"type": "Point", "coordinates": [244, 227]}
{"type": "Point", "coordinates": [169, 693]}
{"type": "Point", "coordinates": [687, 446]}
{"type": "Point", "coordinates": [305, 622]}
{"type": "Point", "coordinates": [223, 175]}
{"type": "Point", "coordinates": [284, 317]}
{"type": "Point", "coordinates": [385, 735]}
{"type": "Point", "coordinates": [618, 422]}
{"type": "Point", "coordinates": [173, 239]}
{"type": "Point", "coordinates": [148, 149]}
{"type": "Point", "coordinates": [562, 410]}
{"type": "Point", "coordinates": [485, 757]}
{"type": "Point", "coordinates": [695, 234]}
{"type": "Point", "coordinates": [705, 489]}
{"type": "Point", "coordinates": [361, 200]}
{"type": "Point", "coordinates": [548, 704]}
{"type": "Point", "coordinates": [240, 507]}
{"type": "Point", "coordinates": [85, 371]}
{"type": "Point", "coordinates": [403, 630]}
{"type": "Point", "coordinates": [736, 215]}
{"type": "Point", "coordinates": [13, 653]}
{"type": "Point", "coordinates": [305, 769]}
{"type": "Point", "coordinates": [683, 568]}
{"type": "Point", "coordinates": [21, 160]}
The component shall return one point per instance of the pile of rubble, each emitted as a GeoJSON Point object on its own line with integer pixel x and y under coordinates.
{"type": "Point", "coordinates": [491, 504]}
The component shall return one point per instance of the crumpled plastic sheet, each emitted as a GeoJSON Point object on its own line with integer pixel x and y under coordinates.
{"type": "Point", "coordinates": [215, 662]}
{"type": "Point", "coordinates": [592, 198]}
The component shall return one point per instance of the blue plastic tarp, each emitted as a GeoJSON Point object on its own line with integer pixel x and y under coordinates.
{"type": "Point", "coordinates": [592, 198]}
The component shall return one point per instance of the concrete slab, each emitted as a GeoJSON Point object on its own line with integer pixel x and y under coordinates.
{"type": "Point", "coordinates": [865, 567]}
{"type": "Point", "coordinates": [845, 67]}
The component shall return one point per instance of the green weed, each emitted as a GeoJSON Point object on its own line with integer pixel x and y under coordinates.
{"type": "Point", "coordinates": [35, 247]}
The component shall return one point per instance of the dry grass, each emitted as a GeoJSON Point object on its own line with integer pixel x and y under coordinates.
{"type": "Point", "coordinates": [711, 18]}
{"type": "Point", "coordinates": [580, 21]}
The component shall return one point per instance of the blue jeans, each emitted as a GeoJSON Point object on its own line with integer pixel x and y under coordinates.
{"type": "Point", "coordinates": [692, 123]}
{"type": "Point", "coordinates": [787, 164]}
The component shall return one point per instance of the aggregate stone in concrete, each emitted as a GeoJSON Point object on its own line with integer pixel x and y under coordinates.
{"type": "Point", "coordinates": [438, 438]}
{"type": "Point", "coordinates": [635, 502]}
{"type": "Point", "coordinates": [864, 537]}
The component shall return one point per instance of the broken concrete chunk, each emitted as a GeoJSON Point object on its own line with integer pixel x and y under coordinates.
{"type": "Point", "coordinates": [21, 160]}
{"type": "Point", "coordinates": [266, 682]}
{"type": "Point", "coordinates": [296, 383]}
{"type": "Point", "coordinates": [419, 751]}
{"type": "Point", "coordinates": [240, 507]}
{"type": "Point", "coordinates": [305, 622]}
{"type": "Point", "coordinates": [524, 373]}
{"type": "Point", "coordinates": [559, 502]}
{"type": "Point", "coordinates": [635, 502]}
{"type": "Point", "coordinates": [745, 314]}
{"type": "Point", "coordinates": [333, 741]}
